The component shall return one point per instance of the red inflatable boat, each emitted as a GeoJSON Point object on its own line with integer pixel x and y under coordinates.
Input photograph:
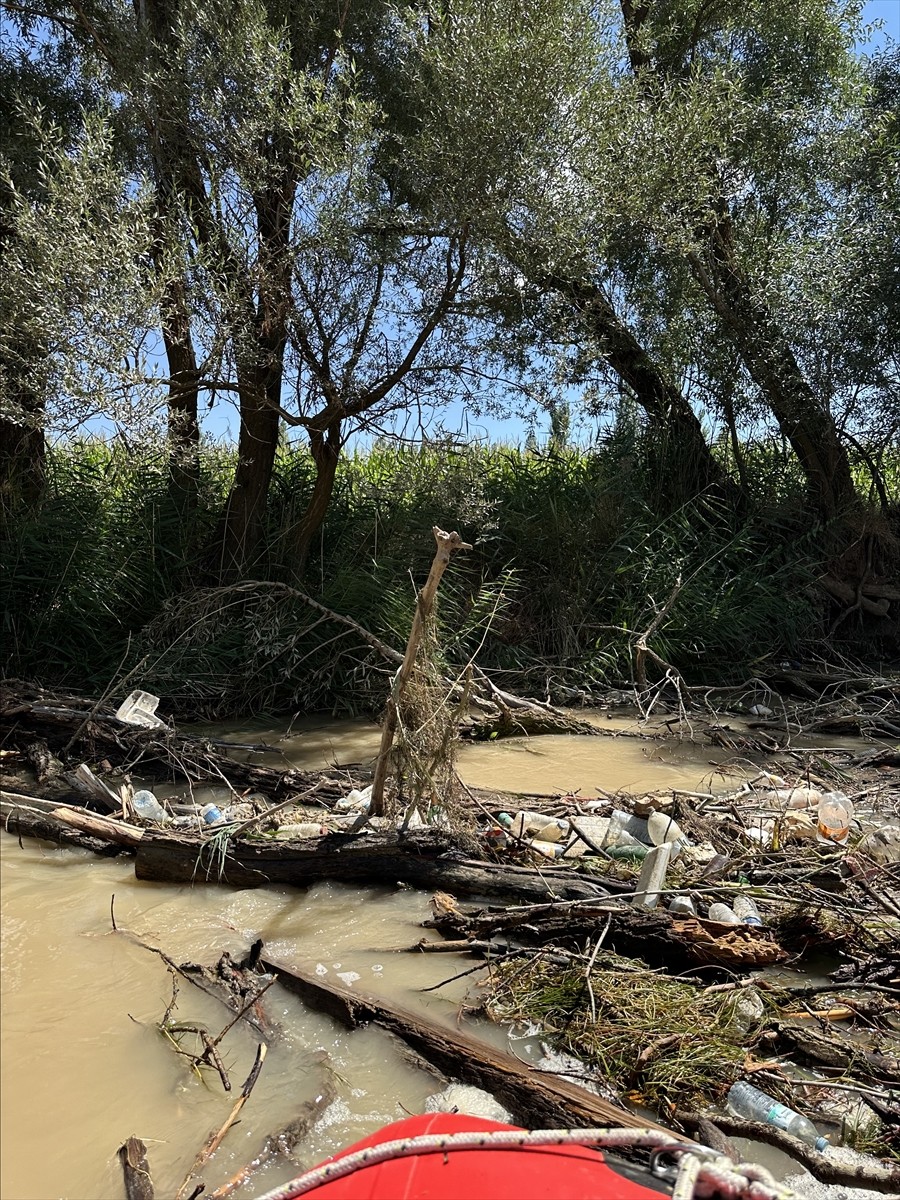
{"type": "Point", "coordinates": [421, 1159]}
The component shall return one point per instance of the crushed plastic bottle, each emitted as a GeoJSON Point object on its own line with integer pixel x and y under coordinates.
{"type": "Point", "coordinates": [835, 815]}
{"type": "Point", "coordinates": [723, 914]}
{"type": "Point", "coordinates": [747, 1101]}
{"type": "Point", "coordinates": [625, 829]}
{"type": "Point", "coordinates": [746, 911]}
{"type": "Point", "coordinates": [683, 905]}
{"type": "Point", "coordinates": [798, 797]}
{"type": "Point", "coordinates": [882, 845]}
{"type": "Point", "coordinates": [147, 806]}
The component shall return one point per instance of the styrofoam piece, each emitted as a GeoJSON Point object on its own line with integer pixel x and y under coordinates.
{"type": "Point", "coordinates": [140, 709]}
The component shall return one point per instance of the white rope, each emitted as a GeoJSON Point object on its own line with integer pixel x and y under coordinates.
{"type": "Point", "coordinates": [701, 1171]}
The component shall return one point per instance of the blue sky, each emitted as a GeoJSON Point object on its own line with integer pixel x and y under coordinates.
{"type": "Point", "coordinates": [887, 11]}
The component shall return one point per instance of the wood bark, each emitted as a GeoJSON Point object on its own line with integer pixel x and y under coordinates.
{"type": "Point", "coordinates": [325, 449]}
{"type": "Point", "coordinates": [681, 943]}
{"type": "Point", "coordinates": [856, 1171]}
{"type": "Point", "coordinates": [535, 1101]}
{"type": "Point", "coordinates": [97, 826]}
{"type": "Point", "coordinates": [136, 1169]}
{"type": "Point", "coordinates": [423, 859]}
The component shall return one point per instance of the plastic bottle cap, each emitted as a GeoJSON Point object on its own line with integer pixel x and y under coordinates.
{"type": "Point", "coordinates": [822, 1143]}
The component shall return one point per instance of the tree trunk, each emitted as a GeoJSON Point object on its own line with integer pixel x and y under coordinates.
{"type": "Point", "coordinates": [325, 448]}
{"type": "Point", "coordinates": [23, 449]}
{"type": "Point", "coordinates": [675, 423]}
{"type": "Point", "coordinates": [534, 1099]}
{"type": "Point", "coordinates": [766, 353]}
{"type": "Point", "coordinates": [184, 428]}
{"type": "Point", "coordinates": [241, 542]}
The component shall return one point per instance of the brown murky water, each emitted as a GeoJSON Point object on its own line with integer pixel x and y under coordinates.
{"type": "Point", "coordinates": [83, 1066]}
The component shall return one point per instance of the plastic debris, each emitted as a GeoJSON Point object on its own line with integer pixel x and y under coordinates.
{"type": "Point", "coordinates": [148, 807]}
{"type": "Point", "coordinates": [653, 876]}
{"type": "Point", "coordinates": [140, 709]}
{"type": "Point", "coordinates": [355, 801]}
{"type": "Point", "coordinates": [882, 845]}
{"type": "Point", "coordinates": [747, 1101]}
{"type": "Point", "coordinates": [746, 911]}
{"type": "Point", "coordinates": [723, 914]}
{"type": "Point", "coordinates": [835, 815]}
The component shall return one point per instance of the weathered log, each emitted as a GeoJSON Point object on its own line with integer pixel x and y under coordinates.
{"type": "Point", "coordinates": [679, 942]}
{"type": "Point", "coordinates": [836, 1050]}
{"type": "Point", "coordinates": [136, 1169]}
{"type": "Point", "coordinates": [28, 822]}
{"type": "Point", "coordinates": [422, 858]}
{"type": "Point", "coordinates": [535, 1101]}
{"type": "Point", "coordinates": [151, 752]}
{"type": "Point", "coordinates": [94, 824]}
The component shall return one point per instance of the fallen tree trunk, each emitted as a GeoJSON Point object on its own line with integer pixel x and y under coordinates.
{"type": "Point", "coordinates": [73, 727]}
{"type": "Point", "coordinates": [95, 824]}
{"type": "Point", "coordinates": [422, 858]}
{"type": "Point", "coordinates": [535, 1101]}
{"type": "Point", "coordinates": [67, 825]}
{"type": "Point", "coordinates": [679, 942]}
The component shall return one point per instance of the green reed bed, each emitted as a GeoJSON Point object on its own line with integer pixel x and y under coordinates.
{"type": "Point", "coordinates": [574, 551]}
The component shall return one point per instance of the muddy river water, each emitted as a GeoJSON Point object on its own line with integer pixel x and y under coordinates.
{"type": "Point", "coordinates": [83, 1064]}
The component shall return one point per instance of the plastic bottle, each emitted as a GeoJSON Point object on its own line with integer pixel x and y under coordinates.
{"type": "Point", "coordinates": [146, 805]}
{"type": "Point", "coordinates": [538, 825]}
{"type": "Point", "coordinates": [211, 814]}
{"type": "Point", "coordinates": [747, 1101]}
{"type": "Point", "coordinates": [683, 905]}
{"type": "Point", "coordinates": [625, 829]}
{"type": "Point", "coordinates": [662, 828]}
{"type": "Point", "coordinates": [746, 911]}
{"type": "Point", "coordinates": [835, 815]}
{"type": "Point", "coordinates": [723, 914]}
{"type": "Point", "coordinates": [305, 829]}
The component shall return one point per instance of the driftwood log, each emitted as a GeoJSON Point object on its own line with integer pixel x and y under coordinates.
{"type": "Point", "coordinates": [536, 1100]}
{"type": "Point", "coordinates": [136, 1169]}
{"type": "Point", "coordinates": [421, 858]}
{"type": "Point", "coordinates": [681, 943]}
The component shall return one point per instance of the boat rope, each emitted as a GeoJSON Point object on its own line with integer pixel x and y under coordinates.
{"type": "Point", "coordinates": [701, 1171]}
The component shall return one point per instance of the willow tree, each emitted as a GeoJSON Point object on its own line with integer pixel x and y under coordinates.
{"type": "Point", "coordinates": [510, 102]}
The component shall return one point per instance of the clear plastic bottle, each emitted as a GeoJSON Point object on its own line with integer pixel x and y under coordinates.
{"type": "Point", "coordinates": [723, 914]}
{"type": "Point", "coordinates": [146, 805]}
{"type": "Point", "coordinates": [835, 815]}
{"type": "Point", "coordinates": [747, 1101]}
{"type": "Point", "coordinates": [683, 905]}
{"type": "Point", "coordinates": [746, 911]}
{"type": "Point", "coordinates": [211, 814]}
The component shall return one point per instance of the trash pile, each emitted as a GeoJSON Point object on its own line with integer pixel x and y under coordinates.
{"type": "Point", "coordinates": [805, 1041]}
